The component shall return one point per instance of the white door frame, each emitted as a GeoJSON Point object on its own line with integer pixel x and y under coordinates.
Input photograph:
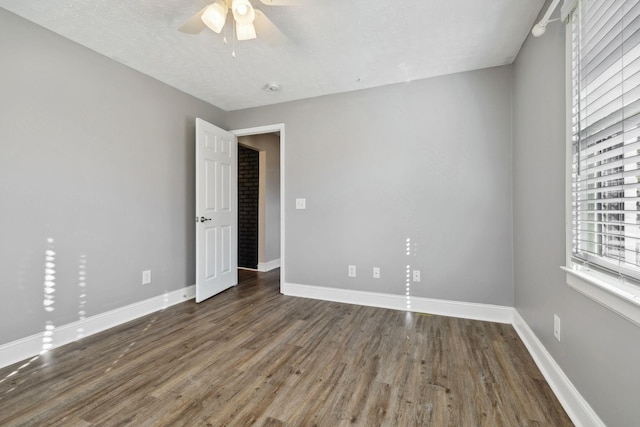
{"type": "Point", "coordinates": [279, 128]}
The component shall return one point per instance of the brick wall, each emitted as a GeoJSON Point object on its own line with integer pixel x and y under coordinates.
{"type": "Point", "coordinates": [248, 185]}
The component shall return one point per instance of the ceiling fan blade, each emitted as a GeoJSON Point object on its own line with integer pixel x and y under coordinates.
{"type": "Point", "coordinates": [194, 25]}
{"type": "Point", "coordinates": [283, 2]}
{"type": "Point", "coordinates": [267, 30]}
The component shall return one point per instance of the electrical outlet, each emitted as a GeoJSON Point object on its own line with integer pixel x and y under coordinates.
{"type": "Point", "coordinates": [146, 277]}
{"type": "Point", "coordinates": [556, 327]}
{"type": "Point", "coordinates": [416, 275]}
{"type": "Point", "coordinates": [352, 271]}
{"type": "Point", "coordinates": [376, 272]}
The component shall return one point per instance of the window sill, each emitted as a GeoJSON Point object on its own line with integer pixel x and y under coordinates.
{"type": "Point", "coordinates": [610, 292]}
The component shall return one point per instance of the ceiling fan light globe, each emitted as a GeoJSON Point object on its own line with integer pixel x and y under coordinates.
{"type": "Point", "coordinates": [245, 31]}
{"type": "Point", "coordinates": [242, 11]}
{"type": "Point", "coordinates": [215, 16]}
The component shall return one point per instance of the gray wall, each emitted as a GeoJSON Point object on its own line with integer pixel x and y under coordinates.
{"type": "Point", "coordinates": [269, 143]}
{"type": "Point", "coordinates": [96, 164]}
{"type": "Point", "coordinates": [428, 161]}
{"type": "Point", "coordinates": [100, 159]}
{"type": "Point", "coordinates": [600, 351]}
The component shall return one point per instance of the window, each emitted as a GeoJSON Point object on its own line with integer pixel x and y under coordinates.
{"type": "Point", "coordinates": [604, 44]}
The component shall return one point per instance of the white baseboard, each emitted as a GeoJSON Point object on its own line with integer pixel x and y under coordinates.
{"type": "Point", "coordinates": [28, 347]}
{"type": "Point", "coordinates": [466, 310]}
{"type": "Point", "coordinates": [571, 400]}
{"type": "Point", "coordinates": [269, 265]}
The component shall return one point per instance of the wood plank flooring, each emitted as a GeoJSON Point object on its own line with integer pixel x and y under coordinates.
{"type": "Point", "coordinates": [251, 356]}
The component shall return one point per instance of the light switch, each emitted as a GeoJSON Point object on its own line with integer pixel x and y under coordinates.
{"type": "Point", "coordinates": [301, 203]}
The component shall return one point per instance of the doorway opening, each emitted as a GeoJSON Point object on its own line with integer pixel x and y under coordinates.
{"type": "Point", "coordinates": [268, 143]}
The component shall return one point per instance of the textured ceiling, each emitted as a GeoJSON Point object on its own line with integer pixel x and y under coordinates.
{"type": "Point", "coordinates": [333, 45]}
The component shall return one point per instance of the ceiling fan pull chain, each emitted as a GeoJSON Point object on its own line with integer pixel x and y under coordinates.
{"type": "Point", "coordinates": [226, 34]}
{"type": "Point", "coordinates": [233, 40]}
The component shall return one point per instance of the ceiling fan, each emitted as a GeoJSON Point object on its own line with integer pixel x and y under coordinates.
{"type": "Point", "coordinates": [248, 21]}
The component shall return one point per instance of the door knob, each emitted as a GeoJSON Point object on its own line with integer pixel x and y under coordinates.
{"type": "Point", "coordinates": [203, 219]}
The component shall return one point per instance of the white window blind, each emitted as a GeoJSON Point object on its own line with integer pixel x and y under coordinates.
{"type": "Point", "coordinates": [605, 37]}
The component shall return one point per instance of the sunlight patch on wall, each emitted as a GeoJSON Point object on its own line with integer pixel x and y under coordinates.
{"type": "Point", "coordinates": [408, 275]}
{"type": "Point", "coordinates": [82, 285]}
{"type": "Point", "coordinates": [49, 293]}
{"type": "Point", "coordinates": [49, 277]}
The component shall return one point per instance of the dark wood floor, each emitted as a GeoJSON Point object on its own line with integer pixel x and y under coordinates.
{"type": "Point", "coordinates": [251, 356]}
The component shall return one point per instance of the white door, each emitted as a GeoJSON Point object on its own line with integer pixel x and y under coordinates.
{"type": "Point", "coordinates": [216, 210]}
